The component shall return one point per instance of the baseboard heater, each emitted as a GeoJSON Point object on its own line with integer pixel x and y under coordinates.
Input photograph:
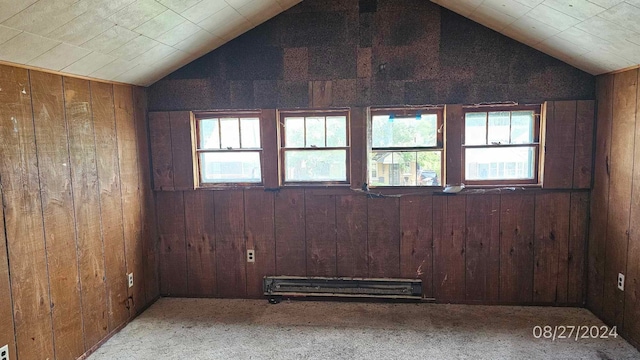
{"type": "Point", "coordinates": [279, 286]}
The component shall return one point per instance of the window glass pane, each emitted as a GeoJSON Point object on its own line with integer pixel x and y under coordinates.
{"type": "Point", "coordinates": [294, 132]}
{"type": "Point", "coordinates": [250, 132]}
{"type": "Point", "coordinates": [500, 163]}
{"type": "Point", "coordinates": [230, 166]}
{"type": "Point", "coordinates": [336, 131]}
{"type": "Point", "coordinates": [522, 127]}
{"type": "Point", "coordinates": [404, 131]}
{"type": "Point", "coordinates": [315, 132]}
{"type": "Point", "coordinates": [475, 128]}
{"type": "Point", "coordinates": [315, 165]}
{"type": "Point", "coordinates": [405, 168]}
{"type": "Point", "coordinates": [499, 127]}
{"type": "Point", "coordinates": [209, 135]}
{"type": "Point", "coordinates": [230, 133]}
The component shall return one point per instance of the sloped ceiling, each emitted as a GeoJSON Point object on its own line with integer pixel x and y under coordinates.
{"type": "Point", "coordinates": [597, 36]}
{"type": "Point", "coordinates": [130, 41]}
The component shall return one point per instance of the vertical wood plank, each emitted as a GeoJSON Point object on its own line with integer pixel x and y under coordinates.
{"type": "Point", "coordinates": [454, 125]}
{"type": "Point", "coordinates": [320, 215]}
{"type": "Point", "coordinates": [559, 145]}
{"type": "Point", "coordinates": [551, 247]}
{"type": "Point", "coordinates": [86, 201]}
{"type": "Point", "coordinates": [358, 126]}
{"type": "Point", "coordinates": [131, 206]}
{"type": "Point", "coordinates": [23, 217]}
{"type": "Point", "coordinates": [260, 234]}
{"type": "Point", "coordinates": [578, 227]}
{"type": "Point", "coordinates": [102, 104]}
{"type": "Point", "coordinates": [269, 127]}
{"type": "Point", "coordinates": [416, 240]}
{"type": "Point", "coordinates": [199, 214]}
{"type": "Point", "coordinates": [351, 225]}
{"type": "Point", "coordinates": [583, 153]}
{"type": "Point", "coordinates": [57, 208]}
{"type": "Point", "coordinates": [181, 149]}
{"type": "Point", "coordinates": [7, 331]}
{"type": "Point", "coordinates": [161, 156]}
{"type": "Point", "coordinates": [449, 248]}
{"type": "Point", "coordinates": [482, 264]}
{"type": "Point", "coordinates": [173, 249]}
{"type": "Point", "coordinates": [383, 220]}
{"type": "Point", "coordinates": [600, 195]}
{"type": "Point", "coordinates": [621, 169]}
{"type": "Point", "coordinates": [230, 244]}
{"type": "Point", "coordinates": [290, 228]}
{"type": "Point", "coordinates": [516, 248]}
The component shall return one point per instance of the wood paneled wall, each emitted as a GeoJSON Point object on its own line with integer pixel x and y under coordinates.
{"type": "Point", "coordinates": [614, 240]}
{"type": "Point", "coordinates": [78, 212]}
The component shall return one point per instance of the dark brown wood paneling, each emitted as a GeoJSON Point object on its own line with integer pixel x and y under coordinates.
{"type": "Point", "coordinates": [454, 124]}
{"type": "Point", "coordinates": [320, 215]}
{"type": "Point", "coordinates": [161, 156]}
{"type": "Point", "coordinates": [173, 249]}
{"type": "Point", "coordinates": [449, 248]}
{"type": "Point", "coordinates": [199, 214]}
{"type": "Point", "coordinates": [583, 152]}
{"type": "Point", "coordinates": [578, 227]}
{"type": "Point", "coordinates": [181, 149]}
{"type": "Point", "coordinates": [351, 226]}
{"type": "Point", "coordinates": [621, 173]}
{"type": "Point", "coordinates": [57, 208]}
{"type": "Point", "coordinates": [551, 247]}
{"type": "Point", "coordinates": [131, 206]}
{"type": "Point", "coordinates": [86, 201]}
{"type": "Point", "coordinates": [482, 263]}
{"type": "Point", "coordinates": [516, 248]}
{"type": "Point", "coordinates": [416, 240]}
{"type": "Point", "coordinates": [7, 332]}
{"type": "Point", "coordinates": [269, 127]}
{"type": "Point", "coordinates": [23, 217]}
{"type": "Point", "coordinates": [358, 143]}
{"type": "Point", "coordinates": [559, 144]}
{"type": "Point", "coordinates": [102, 104]}
{"type": "Point", "coordinates": [290, 233]}
{"type": "Point", "coordinates": [600, 196]}
{"type": "Point", "coordinates": [260, 234]}
{"type": "Point", "coordinates": [230, 244]}
{"type": "Point", "coordinates": [383, 237]}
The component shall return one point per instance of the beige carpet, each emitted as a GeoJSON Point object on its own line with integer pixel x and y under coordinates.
{"type": "Point", "coordinates": [254, 329]}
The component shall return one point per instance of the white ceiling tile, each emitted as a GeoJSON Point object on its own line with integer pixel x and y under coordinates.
{"type": "Point", "coordinates": [59, 57]}
{"type": "Point", "coordinates": [560, 48]}
{"type": "Point", "coordinates": [113, 69]}
{"type": "Point", "coordinates": [608, 61]}
{"type": "Point", "coordinates": [110, 40]}
{"type": "Point", "coordinates": [137, 13]}
{"type": "Point", "coordinates": [530, 3]}
{"type": "Point", "coordinates": [25, 47]}
{"type": "Point", "coordinates": [157, 53]}
{"type": "Point", "coordinates": [179, 33]}
{"type": "Point", "coordinates": [160, 24]}
{"type": "Point", "coordinates": [89, 64]}
{"type": "Point", "coordinates": [286, 4]}
{"type": "Point", "coordinates": [553, 17]}
{"type": "Point", "coordinates": [238, 3]}
{"type": "Point", "coordinates": [81, 29]}
{"type": "Point", "coordinates": [134, 48]}
{"type": "Point", "coordinates": [7, 34]}
{"type": "Point", "coordinates": [606, 3]}
{"type": "Point", "coordinates": [178, 5]}
{"type": "Point", "coordinates": [218, 19]}
{"type": "Point", "coordinates": [529, 30]}
{"type": "Point", "coordinates": [232, 29]}
{"type": "Point", "coordinates": [44, 16]}
{"type": "Point", "coordinates": [579, 9]}
{"type": "Point", "coordinates": [584, 39]}
{"type": "Point", "coordinates": [199, 41]}
{"type": "Point", "coordinates": [8, 8]}
{"type": "Point", "coordinates": [624, 15]}
{"type": "Point", "coordinates": [509, 7]}
{"type": "Point", "coordinates": [635, 3]}
{"type": "Point", "coordinates": [491, 18]}
{"type": "Point", "coordinates": [103, 8]}
{"type": "Point", "coordinates": [259, 11]}
{"type": "Point", "coordinates": [203, 9]}
{"type": "Point", "coordinates": [608, 30]}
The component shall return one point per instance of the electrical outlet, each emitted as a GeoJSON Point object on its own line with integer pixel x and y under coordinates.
{"type": "Point", "coordinates": [130, 279]}
{"type": "Point", "coordinates": [251, 256]}
{"type": "Point", "coordinates": [4, 352]}
{"type": "Point", "coordinates": [621, 281]}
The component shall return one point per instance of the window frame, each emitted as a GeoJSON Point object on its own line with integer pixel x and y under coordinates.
{"type": "Point", "coordinates": [198, 116]}
{"type": "Point", "coordinates": [407, 111]}
{"type": "Point", "coordinates": [282, 148]}
{"type": "Point", "coordinates": [537, 141]}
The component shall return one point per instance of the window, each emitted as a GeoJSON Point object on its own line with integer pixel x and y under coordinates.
{"type": "Point", "coordinates": [315, 147]}
{"type": "Point", "coordinates": [229, 148]}
{"type": "Point", "coordinates": [501, 145]}
{"type": "Point", "coordinates": [406, 147]}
